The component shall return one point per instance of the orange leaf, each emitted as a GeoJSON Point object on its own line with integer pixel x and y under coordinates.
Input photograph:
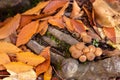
{"type": "Point", "coordinates": [75, 11]}
{"type": "Point", "coordinates": [48, 74]}
{"type": "Point", "coordinates": [7, 47]}
{"type": "Point", "coordinates": [10, 27]}
{"type": "Point", "coordinates": [27, 32]}
{"type": "Point", "coordinates": [36, 9]}
{"type": "Point", "coordinates": [5, 22]}
{"type": "Point", "coordinates": [54, 5]}
{"type": "Point", "coordinates": [110, 33]}
{"type": "Point", "coordinates": [4, 58]}
{"type": "Point", "coordinates": [2, 67]}
{"type": "Point", "coordinates": [30, 58]}
{"type": "Point", "coordinates": [61, 12]}
{"type": "Point", "coordinates": [45, 65]}
{"type": "Point", "coordinates": [44, 27]}
{"type": "Point", "coordinates": [68, 24]}
{"type": "Point", "coordinates": [17, 67]}
{"type": "Point", "coordinates": [57, 21]}
{"type": "Point", "coordinates": [78, 26]}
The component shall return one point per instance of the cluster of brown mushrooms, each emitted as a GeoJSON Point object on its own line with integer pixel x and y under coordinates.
{"type": "Point", "coordinates": [82, 52]}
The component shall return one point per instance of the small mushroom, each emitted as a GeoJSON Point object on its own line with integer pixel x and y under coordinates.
{"type": "Point", "coordinates": [98, 52]}
{"type": "Point", "coordinates": [80, 45]}
{"type": "Point", "coordinates": [76, 54]}
{"type": "Point", "coordinates": [82, 58]}
{"type": "Point", "coordinates": [86, 50]}
{"type": "Point", "coordinates": [91, 48]}
{"type": "Point", "coordinates": [72, 48]}
{"type": "Point", "coordinates": [90, 56]}
{"type": "Point", "coordinates": [87, 39]}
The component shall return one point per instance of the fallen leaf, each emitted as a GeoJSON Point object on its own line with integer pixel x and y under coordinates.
{"type": "Point", "coordinates": [17, 67]}
{"type": "Point", "coordinates": [7, 47]}
{"type": "Point", "coordinates": [10, 27]}
{"type": "Point", "coordinates": [78, 26]}
{"type": "Point", "coordinates": [41, 68]}
{"type": "Point", "coordinates": [75, 11]}
{"type": "Point", "coordinates": [110, 33]}
{"type": "Point", "coordinates": [57, 21]}
{"type": "Point", "coordinates": [51, 7]}
{"type": "Point", "coordinates": [36, 9]}
{"type": "Point", "coordinates": [42, 25]}
{"type": "Point", "coordinates": [30, 58]}
{"type": "Point", "coordinates": [4, 58]}
{"type": "Point", "coordinates": [2, 67]}
{"type": "Point", "coordinates": [27, 32]}
{"type": "Point", "coordinates": [44, 29]}
{"type": "Point", "coordinates": [48, 74]}
{"type": "Point", "coordinates": [62, 11]}
{"type": "Point", "coordinates": [5, 22]}
{"type": "Point", "coordinates": [68, 24]}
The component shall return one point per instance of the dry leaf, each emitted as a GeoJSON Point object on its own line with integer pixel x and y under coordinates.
{"type": "Point", "coordinates": [42, 25]}
{"type": "Point", "coordinates": [30, 58]}
{"type": "Point", "coordinates": [4, 58]}
{"type": "Point", "coordinates": [5, 22]}
{"type": "Point", "coordinates": [78, 26]}
{"type": "Point", "coordinates": [2, 67]}
{"type": "Point", "coordinates": [45, 65]}
{"type": "Point", "coordinates": [37, 9]}
{"type": "Point", "coordinates": [57, 21]}
{"type": "Point", "coordinates": [7, 47]}
{"type": "Point", "coordinates": [110, 33]}
{"type": "Point", "coordinates": [48, 74]}
{"type": "Point", "coordinates": [75, 11]}
{"type": "Point", "coordinates": [44, 29]}
{"type": "Point", "coordinates": [62, 11]}
{"type": "Point", "coordinates": [10, 27]}
{"type": "Point", "coordinates": [27, 32]}
{"type": "Point", "coordinates": [17, 67]}
{"type": "Point", "coordinates": [68, 24]}
{"type": "Point", "coordinates": [51, 7]}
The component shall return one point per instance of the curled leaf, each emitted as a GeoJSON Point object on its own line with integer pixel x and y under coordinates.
{"type": "Point", "coordinates": [17, 67]}
{"type": "Point", "coordinates": [4, 58]}
{"type": "Point", "coordinates": [37, 9]}
{"type": "Point", "coordinates": [68, 24]}
{"type": "Point", "coordinates": [7, 47]}
{"type": "Point", "coordinates": [78, 26]}
{"type": "Point", "coordinates": [27, 32]}
{"type": "Point", "coordinates": [45, 65]}
{"type": "Point", "coordinates": [48, 74]}
{"type": "Point", "coordinates": [30, 58]}
{"type": "Point", "coordinates": [57, 21]}
{"type": "Point", "coordinates": [10, 27]}
{"type": "Point", "coordinates": [51, 7]}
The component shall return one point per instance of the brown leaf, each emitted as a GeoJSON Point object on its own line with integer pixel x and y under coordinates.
{"type": "Point", "coordinates": [54, 5]}
{"type": "Point", "coordinates": [57, 21]}
{"type": "Point", "coordinates": [17, 67]}
{"type": "Point", "coordinates": [68, 24]}
{"type": "Point", "coordinates": [45, 65]}
{"type": "Point", "coordinates": [62, 11]}
{"type": "Point", "coordinates": [75, 11]}
{"type": "Point", "coordinates": [36, 9]}
{"type": "Point", "coordinates": [4, 58]}
{"type": "Point", "coordinates": [10, 27]}
{"type": "Point", "coordinates": [42, 25]}
{"type": "Point", "coordinates": [8, 47]}
{"type": "Point", "coordinates": [78, 26]}
{"type": "Point", "coordinates": [48, 74]}
{"type": "Point", "coordinates": [110, 33]}
{"type": "Point", "coordinates": [27, 32]}
{"type": "Point", "coordinates": [30, 58]}
{"type": "Point", "coordinates": [5, 22]}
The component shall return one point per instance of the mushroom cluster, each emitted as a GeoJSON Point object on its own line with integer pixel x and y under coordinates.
{"type": "Point", "coordinates": [82, 52]}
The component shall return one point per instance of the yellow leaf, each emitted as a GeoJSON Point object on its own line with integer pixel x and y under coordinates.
{"type": "Point", "coordinates": [17, 67]}
{"type": "Point", "coordinates": [7, 47]}
{"type": "Point", "coordinates": [36, 9]}
{"type": "Point", "coordinates": [27, 32]}
{"type": "Point", "coordinates": [48, 74]}
{"type": "Point", "coordinates": [30, 58]}
{"type": "Point", "coordinates": [4, 58]}
{"type": "Point", "coordinates": [53, 5]}
{"type": "Point", "coordinates": [41, 68]}
{"type": "Point", "coordinates": [10, 27]}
